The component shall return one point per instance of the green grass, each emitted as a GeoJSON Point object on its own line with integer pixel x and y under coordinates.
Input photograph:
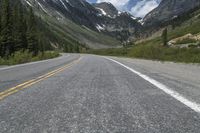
{"type": "Point", "coordinates": [186, 28]}
{"type": "Point", "coordinates": [153, 50]}
{"type": "Point", "coordinates": [110, 52]}
{"type": "Point", "coordinates": [25, 57]}
{"type": "Point", "coordinates": [187, 55]}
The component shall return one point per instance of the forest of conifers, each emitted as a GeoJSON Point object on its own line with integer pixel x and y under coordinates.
{"type": "Point", "coordinates": [19, 30]}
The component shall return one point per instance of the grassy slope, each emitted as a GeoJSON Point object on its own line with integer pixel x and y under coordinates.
{"type": "Point", "coordinates": [71, 33]}
{"type": "Point", "coordinates": [153, 49]}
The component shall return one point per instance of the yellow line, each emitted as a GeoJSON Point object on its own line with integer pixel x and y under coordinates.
{"type": "Point", "coordinates": [11, 89]}
{"type": "Point", "coordinates": [29, 83]}
{"type": "Point", "coordinates": [20, 85]}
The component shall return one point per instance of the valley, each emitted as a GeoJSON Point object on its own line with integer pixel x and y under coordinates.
{"type": "Point", "coordinates": [150, 44]}
{"type": "Point", "coordinates": [99, 66]}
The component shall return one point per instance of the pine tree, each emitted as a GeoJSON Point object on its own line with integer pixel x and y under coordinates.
{"type": "Point", "coordinates": [16, 33]}
{"type": "Point", "coordinates": [19, 28]}
{"type": "Point", "coordinates": [164, 37]}
{"type": "Point", "coordinates": [42, 41]}
{"type": "Point", "coordinates": [0, 18]}
{"type": "Point", "coordinates": [66, 48]}
{"type": "Point", "coordinates": [70, 48]}
{"type": "Point", "coordinates": [32, 34]}
{"type": "Point", "coordinates": [0, 29]}
{"type": "Point", "coordinates": [77, 48]}
{"type": "Point", "coordinates": [6, 33]}
{"type": "Point", "coordinates": [23, 28]}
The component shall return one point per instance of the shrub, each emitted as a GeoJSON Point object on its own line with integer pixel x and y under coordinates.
{"type": "Point", "coordinates": [2, 61]}
{"type": "Point", "coordinates": [193, 46]}
{"type": "Point", "coordinates": [20, 57]}
{"type": "Point", "coordinates": [186, 41]}
{"type": "Point", "coordinates": [165, 37]}
{"type": "Point", "coordinates": [198, 44]}
{"type": "Point", "coordinates": [45, 55]}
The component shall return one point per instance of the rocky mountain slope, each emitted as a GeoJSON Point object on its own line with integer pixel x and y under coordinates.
{"type": "Point", "coordinates": [168, 10]}
{"type": "Point", "coordinates": [100, 18]}
{"type": "Point", "coordinates": [101, 25]}
{"type": "Point", "coordinates": [106, 9]}
{"type": "Point", "coordinates": [116, 23]}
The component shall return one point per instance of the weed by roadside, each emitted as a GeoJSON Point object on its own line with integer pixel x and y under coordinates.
{"type": "Point", "coordinates": [20, 57]}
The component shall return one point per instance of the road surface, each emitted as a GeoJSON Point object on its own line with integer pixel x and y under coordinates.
{"type": "Point", "coordinates": [93, 94]}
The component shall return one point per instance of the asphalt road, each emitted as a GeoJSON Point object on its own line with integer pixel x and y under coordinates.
{"type": "Point", "coordinates": [93, 94]}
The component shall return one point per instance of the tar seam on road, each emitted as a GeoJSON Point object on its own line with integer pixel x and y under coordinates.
{"type": "Point", "coordinates": [29, 83]}
{"type": "Point", "coordinates": [191, 104]}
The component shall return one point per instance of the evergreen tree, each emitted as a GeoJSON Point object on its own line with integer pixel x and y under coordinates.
{"type": "Point", "coordinates": [70, 48]}
{"type": "Point", "coordinates": [16, 34]}
{"type": "Point", "coordinates": [0, 28]}
{"type": "Point", "coordinates": [77, 48]}
{"type": "Point", "coordinates": [23, 28]}
{"type": "Point", "coordinates": [6, 33]}
{"type": "Point", "coordinates": [164, 37]}
{"type": "Point", "coordinates": [19, 28]}
{"type": "Point", "coordinates": [0, 18]}
{"type": "Point", "coordinates": [66, 48]}
{"type": "Point", "coordinates": [42, 41]}
{"type": "Point", "coordinates": [32, 34]}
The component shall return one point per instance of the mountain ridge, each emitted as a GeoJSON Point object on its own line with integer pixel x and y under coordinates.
{"type": "Point", "coordinates": [71, 26]}
{"type": "Point", "coordinates": [121, 25]}
{"type": "Point", "coordinates": [168, 10]}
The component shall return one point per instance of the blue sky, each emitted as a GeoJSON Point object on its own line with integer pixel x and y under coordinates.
{"type": "Point", "coordinates": [92, 1]}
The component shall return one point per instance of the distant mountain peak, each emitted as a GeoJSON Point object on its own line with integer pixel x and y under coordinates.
{"type": "Point", "coordinates": [138, 8]}
{"type": "Point", "coordinates": [107, 9]}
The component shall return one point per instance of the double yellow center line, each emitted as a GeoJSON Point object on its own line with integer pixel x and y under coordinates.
{"type": "Point", "coordinates": [29, 83]}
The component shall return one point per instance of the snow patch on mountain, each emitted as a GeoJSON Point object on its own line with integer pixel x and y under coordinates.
{"type": "Point", "coordinates": [42, 7]}
{"type": "Point", "coordinates": [64, 4]}
{"type": "Point", "coordinates": [138, 8]}
{"type": "Point", "coordinates": [100, 28]}
{"type": "Point", "coordinates": [102, 11]}
{"type": "Point", "coordinates": [28, 3]}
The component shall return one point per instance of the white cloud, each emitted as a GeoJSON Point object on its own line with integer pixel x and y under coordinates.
{"type": "Point", "coordinates": [139, 10]}
{"type": "Point", "coordinates": [117, 3]}
{"type": "Point", "coordinates": [143, 7]}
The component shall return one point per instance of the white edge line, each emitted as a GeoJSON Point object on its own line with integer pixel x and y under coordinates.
{"type": "Point", "coordinates": [30, 63]}
{"type": "Point", "coordinates": [191, 104]}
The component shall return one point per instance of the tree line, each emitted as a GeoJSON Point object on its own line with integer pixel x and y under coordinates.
{"type": "Point", "coordinates": [18, 29]}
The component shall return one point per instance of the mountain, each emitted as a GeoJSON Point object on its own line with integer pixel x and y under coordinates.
{"type": "Point", "coordinates": [106, 9]}
{"type": "Point", "coordinates": [138, 8]}
{"type": "Point", "coordinates": [168, 10]}
{"type": "Point", "coordinates": [102, 20]}
{"type": "Point", "coordinates": [116, 23]}
{"type": "Point", "coordinates": [79, 11]}
{"type": "Point", "coordinates": [90, 24]}
{"type": "Point", "coordinates": [71, 22]}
